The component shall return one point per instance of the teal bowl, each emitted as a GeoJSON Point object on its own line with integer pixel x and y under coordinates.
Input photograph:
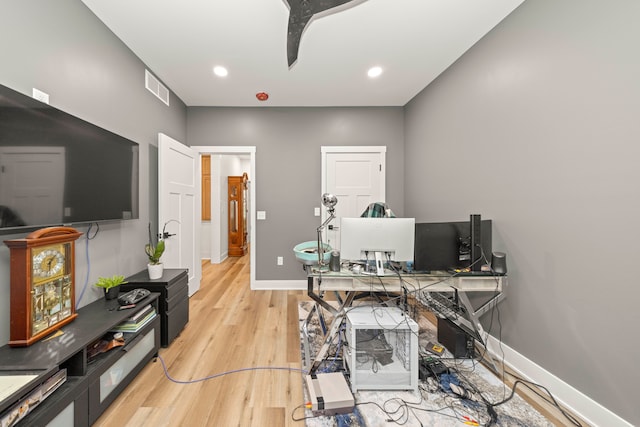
{"type": "Point", "coordinates": [307, 252]}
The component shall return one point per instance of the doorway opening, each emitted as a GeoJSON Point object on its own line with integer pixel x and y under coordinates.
{"type": "Point", "coordinates": [225, 161]}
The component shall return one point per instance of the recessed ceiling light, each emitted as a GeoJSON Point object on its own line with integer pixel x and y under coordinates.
{"type": "Point", "coordinates": [220, 71]}
{"type": "Point", "coordinates": [374, 72]}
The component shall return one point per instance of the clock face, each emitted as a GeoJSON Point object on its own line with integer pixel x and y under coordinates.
{"type": "Point", "coordinates": [49, 262]}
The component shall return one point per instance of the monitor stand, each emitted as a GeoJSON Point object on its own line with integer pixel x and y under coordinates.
{"type": "Point", "coordinates": [379, 264]}
{"type": "Point", "coordinates": [379, 269]}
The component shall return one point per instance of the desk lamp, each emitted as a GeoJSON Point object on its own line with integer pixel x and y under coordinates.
{"type": "Point", "coordinates": [329, 201]}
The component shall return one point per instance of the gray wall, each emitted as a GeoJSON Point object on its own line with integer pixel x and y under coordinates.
{"type": "Point", "coordinates": [62, 49]}
{"type": "Point", "coordinates": [288, 187]}
{"type": "Point", "coordinates": [537, 127]}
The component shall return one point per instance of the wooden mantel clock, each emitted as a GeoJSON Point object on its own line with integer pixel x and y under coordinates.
{"type": "Point", "coordinates": [42, 283]}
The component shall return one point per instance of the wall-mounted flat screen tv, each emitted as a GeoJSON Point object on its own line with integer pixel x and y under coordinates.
{"type": "Point", "coordinates": [57, 169]}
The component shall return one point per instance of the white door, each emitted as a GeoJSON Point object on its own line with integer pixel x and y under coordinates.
{"type": "Point", "coordinates": [356, 176]}
{"type": "Point", "coordinates": [179, 207]}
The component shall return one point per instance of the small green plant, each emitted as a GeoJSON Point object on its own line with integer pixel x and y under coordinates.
{"type": "Point", "coordinates": [110, 282]}
{"type": "Point", "coordinates": [154, 250]}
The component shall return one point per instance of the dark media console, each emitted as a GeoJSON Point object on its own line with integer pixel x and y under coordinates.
{"type": "Point", "coordinates": [93, 381]}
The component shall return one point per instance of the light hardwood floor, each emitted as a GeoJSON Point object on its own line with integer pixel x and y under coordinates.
{"type": "Point", "coordinates": [230, 328]}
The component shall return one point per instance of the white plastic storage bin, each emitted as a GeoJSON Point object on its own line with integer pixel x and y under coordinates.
{"type": "Point", "coordinates": [381, 352]}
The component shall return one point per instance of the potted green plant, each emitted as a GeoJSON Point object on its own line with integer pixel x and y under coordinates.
{"type": "Point", "coordinates": [154, 251]}
{"type": "Point", "coordinates": [111, 286]}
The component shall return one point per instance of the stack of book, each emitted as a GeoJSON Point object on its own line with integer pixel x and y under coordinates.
{"type": "Point", "coordinates": [137, 321]}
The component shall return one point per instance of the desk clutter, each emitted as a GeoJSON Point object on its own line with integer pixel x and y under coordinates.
{"type": "Point", "coordinates": [374, 339]}
{"type": "Point", "coordinates": [448, 391]}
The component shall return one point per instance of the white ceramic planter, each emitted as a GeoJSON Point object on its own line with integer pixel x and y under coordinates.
{"type": "Point", "coordinates": [155, 271]}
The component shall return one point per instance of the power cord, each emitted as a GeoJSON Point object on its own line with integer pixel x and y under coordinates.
{"type": "Point", "coordinates": [548, 398]}
{"type": "Point", "coordinates": [210, 377]}
{"type": "Point", "coordinates": [86, 279]}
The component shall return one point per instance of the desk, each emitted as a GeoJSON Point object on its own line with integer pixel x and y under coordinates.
{"type": "Point", "coordinates": [444, 293]}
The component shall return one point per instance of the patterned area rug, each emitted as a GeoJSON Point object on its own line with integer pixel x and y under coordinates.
{"type": "Point", "coordinates": [435, 403]}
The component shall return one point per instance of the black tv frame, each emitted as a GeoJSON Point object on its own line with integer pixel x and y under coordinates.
{"type": "Point", "coordinates": [102, 169]}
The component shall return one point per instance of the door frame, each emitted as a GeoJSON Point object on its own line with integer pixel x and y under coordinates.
{"type": "Point", "coordinates": [242, 150]}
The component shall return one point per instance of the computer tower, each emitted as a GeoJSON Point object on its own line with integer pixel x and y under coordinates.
{"type": "Point", "coordinates": [455, 339]}
{"type": "Point", "coordinates": [381, 349]}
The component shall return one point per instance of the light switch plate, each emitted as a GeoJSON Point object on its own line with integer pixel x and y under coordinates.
{"type": "Point", "coordinates": [261, 215]}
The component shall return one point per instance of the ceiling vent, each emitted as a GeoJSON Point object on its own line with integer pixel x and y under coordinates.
{"type": "Point", "coordinates": [155, 87]}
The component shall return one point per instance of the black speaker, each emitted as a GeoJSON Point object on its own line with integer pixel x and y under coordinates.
{"type": "Point", "coordinates": [457, 341]}
{"type": "Point", "coordinates": [499, 262]}
{"type": "Point", "coordinates": [476, 241]}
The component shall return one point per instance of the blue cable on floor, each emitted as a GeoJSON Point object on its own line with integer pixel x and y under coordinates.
{"type": "Point", "coordinates": [259, 368]}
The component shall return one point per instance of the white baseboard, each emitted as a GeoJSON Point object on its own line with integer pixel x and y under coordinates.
{"type": "Point", "coordinates": [279, 285]}
{"type": "Point", "coordinates": [212, 260]}
{"type": "Point", "coordinates": [574, 400]}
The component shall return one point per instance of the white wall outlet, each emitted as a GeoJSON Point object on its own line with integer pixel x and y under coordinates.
{"type": "Point", "coordinates": [280, 260]}
{"type": "Point", "coordinates": [40, 95]}
{"type": "Point", "coordinates": [261, 215]}
{"type": "Point", "coordinates": [316, 211]}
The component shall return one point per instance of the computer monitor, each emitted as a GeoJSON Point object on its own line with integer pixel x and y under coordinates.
{"type": "Point", "coordinates": [380, 239]}
{"type": "Point", "coordinates": [445, 245]}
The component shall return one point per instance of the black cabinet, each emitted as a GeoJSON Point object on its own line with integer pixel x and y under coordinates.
{"type": "Point", "coordinates": [92, 383]}
{"type": "Point", "coordinates": [173, 288]}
